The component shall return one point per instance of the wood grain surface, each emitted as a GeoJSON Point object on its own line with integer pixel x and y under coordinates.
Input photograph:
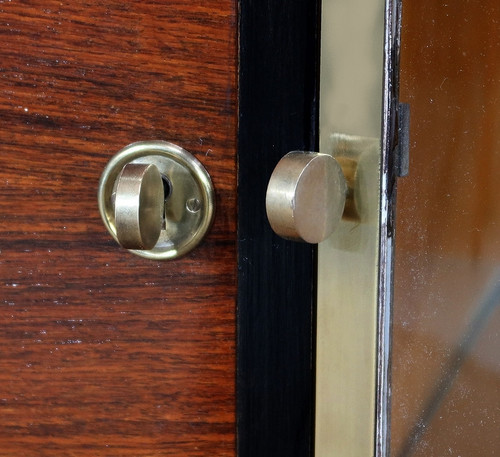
{"type": "Point", "coordinates": [103, 353]}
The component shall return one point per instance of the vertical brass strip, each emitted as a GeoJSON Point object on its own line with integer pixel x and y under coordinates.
{"type": "Point", "coordinates": [351, 88]}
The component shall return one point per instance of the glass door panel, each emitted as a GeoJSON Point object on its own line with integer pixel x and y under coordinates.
{"type": "Point", "coordinates": [446, 340]}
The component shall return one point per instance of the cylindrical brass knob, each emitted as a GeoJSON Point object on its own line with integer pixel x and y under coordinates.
{"type": "Point", "coordinates": [306, 196]}
{"type": "Point", "coordinates": [139, 206]}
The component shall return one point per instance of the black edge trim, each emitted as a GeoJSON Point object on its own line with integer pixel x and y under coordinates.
{"type": "Point", "coordinates": [278, 112]}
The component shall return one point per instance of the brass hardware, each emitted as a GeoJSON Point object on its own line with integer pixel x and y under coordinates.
{"type": "Point", "coordinates": [309, 192]}
{"type": "Point", "coordinates": [357, 156]}
{"type": "Point", "coordinates": [346, 308]}
{"type": "Point", "coordinates": [351, 288]}
{"type": "Point", "coordinates": [156, 199]}
{"type": "Point", "coordinates": [139, 204]}
{"type": "Point", "coordinates": [306, 196]}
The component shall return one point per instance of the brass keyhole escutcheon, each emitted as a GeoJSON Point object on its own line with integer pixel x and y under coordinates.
{"type": "Point", "coordinates": [156, 199]}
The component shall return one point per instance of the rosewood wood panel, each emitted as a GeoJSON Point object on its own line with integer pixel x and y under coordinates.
{"type": "Point", "coordinates": [103, 353]}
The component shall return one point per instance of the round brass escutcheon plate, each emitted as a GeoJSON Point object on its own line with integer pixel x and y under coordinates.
{"type": "Point", "coordinates": [189, 196]}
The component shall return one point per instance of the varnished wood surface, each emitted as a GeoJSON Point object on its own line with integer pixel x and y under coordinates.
{"type": "Point", "coordinates": [103, 353]}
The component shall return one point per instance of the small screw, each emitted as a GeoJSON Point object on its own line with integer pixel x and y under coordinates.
{"type": "Point", "coordinates": [193, 205]}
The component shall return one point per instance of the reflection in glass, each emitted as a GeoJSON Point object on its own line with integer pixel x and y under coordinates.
{"type": "Point", "coordinates": [446, 346]}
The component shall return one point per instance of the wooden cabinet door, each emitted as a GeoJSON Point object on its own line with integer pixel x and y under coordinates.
{"type": "Point", "coordinates": [103, 353]}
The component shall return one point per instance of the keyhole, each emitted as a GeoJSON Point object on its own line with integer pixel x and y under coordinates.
{"type": "Point", "coordinates": [167, 187]}
{"type": "Point", "coordinates": [167, 191]}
